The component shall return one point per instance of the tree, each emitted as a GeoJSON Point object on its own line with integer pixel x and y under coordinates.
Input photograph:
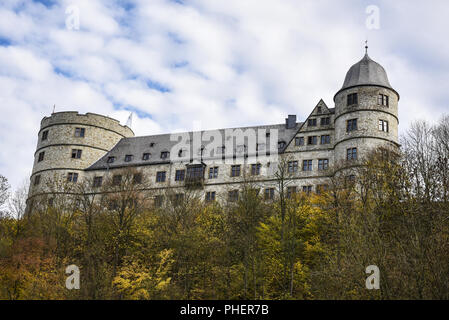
{"type": "Point", "coordinates": [4, 193]}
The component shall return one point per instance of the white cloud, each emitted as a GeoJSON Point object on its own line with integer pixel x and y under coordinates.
{"type": "Point", "coordinates": [224, 63]}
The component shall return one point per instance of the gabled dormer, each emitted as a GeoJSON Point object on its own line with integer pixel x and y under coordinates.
{"type": "Point", "coordinates": [320, 109]}
{"type": "Point", "coordinates": [316, 131]}
{"type": "Point", "coordinates": [319, 118]}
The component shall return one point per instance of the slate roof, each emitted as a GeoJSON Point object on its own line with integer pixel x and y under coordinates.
{"type": "Point", "coordinates": [366, 72]}
{"type": "Point", "coordinates": [155, 144]}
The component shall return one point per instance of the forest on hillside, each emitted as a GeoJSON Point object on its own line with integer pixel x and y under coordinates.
{"type": "Point", "coordinates": [394, 215]}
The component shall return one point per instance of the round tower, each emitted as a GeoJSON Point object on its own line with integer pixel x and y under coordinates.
{"type": "Point", "coordinates": [366, 112]}
{"type": "Point", "coordinates": [69, 142]}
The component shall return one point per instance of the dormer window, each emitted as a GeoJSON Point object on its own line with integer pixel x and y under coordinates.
{"type": "Point", "coordinates": [146, 156]}
{"type": "Point", "coordinates": [111, 160]}
{"type": "Point", "coordinates": [164, 154]}
{"type": "Point", "coordinates": [352, 99]}
{"type": "Point", "coordinates": [128, 158]}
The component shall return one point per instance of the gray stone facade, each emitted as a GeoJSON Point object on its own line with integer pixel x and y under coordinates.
{"type": "Point", "coordinates": [323, 139]}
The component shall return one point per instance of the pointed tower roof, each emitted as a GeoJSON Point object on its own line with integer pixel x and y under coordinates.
{"type": "Point", "coordinates": [366, 72]}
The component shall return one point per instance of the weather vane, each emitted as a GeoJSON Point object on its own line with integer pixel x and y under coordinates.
{"type": "Point", "coordinates": [366, 46]}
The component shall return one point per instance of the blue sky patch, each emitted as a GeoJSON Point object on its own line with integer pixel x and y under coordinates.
{"type": "Point", "coordinates": [63, 73]}
{"type": "Point", "coordinates": [180, 64]}
{"type": "Point", "coordinates": [138, 112]}
{"type": "Point", "coordinates": [47, 3]}
{"type": "Point", "coordinates": [157, 86]}
{"type": "Point", "coordinates": [4, 42]}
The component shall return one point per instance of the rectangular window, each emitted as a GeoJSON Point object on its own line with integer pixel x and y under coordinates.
{"type": "Point", "coordinates": [80, 132]}
{"type": "Point", "coordinates": [312, 140]}
{"type": "Point", "coordinates": [177, 199]}
{"type": "Point", "coordinates": [137, 178]}
{"type": "Point", "coordinates": [351, 154]}
{"type": "Point", "coordinates": [383, 126]}
{"type": "Point", "coordinates": [146, 156]}
{"type": "Point", "coordinates": [98, 181]}
{"type": "Point", "coordinates": [325, 139]}
{"type": "Point", "coordinates": [235, 171]}
{"type": "Point", "coordinates": [307, 165]}
{"type": "Point", "coordinates": [128, 158]}
{"type": "Point", "coordinates": [352, 99]}
{"type": "Point", "coordinates": [117, 180]}
{"type": "Point", "coordinates": [195, 172]}
{"type": "Point", "coordinates": [292, 166]}
{"type": "Point", "coordinates": [311, 122]}
{"type": "Point", "coordinates": [76, 153]}
{"type": "Point", "coordinates": [44, 135]}
{"type": "Point", "coordinates": [41, 156]}
{"type": "Point", "coordinates": [325, 121]}
{"type": "Point", "coordinates": [255, 169]}
{"type": "Point", "coordinates": [158, 201]}
{"type": "Point", "coordinates": [299, 141]}
{"type": "Point", "coordinates": [72, 177]}
{"type": "Point", "coordinates": [180, 175]}
{"type": "Point", "coordinates": [37, 179]}
{"type": "Point", "coordinates": [213, 173]}
{"type": "Point", "coordinates": [351, 125]}
{"type": "Point", "coordinates": [290, 192]}
{"type": "Point", "coordinates": [210, 196]}
{"type": "Point", "coordinates": [383, 100]}
{"type": "Point", "coordinates": [323, 164]}
{"type": "Point", "coordinates": [111, 159]}
{"type": "Point", "coordinates": [160, 176]}
{"type": "Point", "coordinates": [307, 189]}
{"type": "Point", "coordinates": [269, 194]}
{"type": "Point", "coordinates": [321, 188]}
{"type": "Point", "coordinates": [233, 195]}
{"type": "Point", "coordinates": [319, 110]}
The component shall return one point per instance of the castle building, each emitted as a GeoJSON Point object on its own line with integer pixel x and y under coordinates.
{"type": "Point", "coordinates": [75, 147]}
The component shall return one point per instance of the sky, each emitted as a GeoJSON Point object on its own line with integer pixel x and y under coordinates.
{"type": "Point", "coordinates": [180, 64]}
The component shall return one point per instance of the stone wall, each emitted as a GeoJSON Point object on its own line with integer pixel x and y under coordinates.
{"type": "Point", "coordinates": [101, 134]}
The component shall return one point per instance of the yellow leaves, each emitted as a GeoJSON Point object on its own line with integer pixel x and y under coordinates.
{"type": "Point", "coordinates": [135, 281]}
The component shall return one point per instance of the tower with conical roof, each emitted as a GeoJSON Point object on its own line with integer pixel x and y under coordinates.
{"type": "Point", "coordinates": [366, 111]}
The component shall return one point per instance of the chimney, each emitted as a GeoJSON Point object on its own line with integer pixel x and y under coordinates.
{"type": "Point", "coordinates": [290, 122]}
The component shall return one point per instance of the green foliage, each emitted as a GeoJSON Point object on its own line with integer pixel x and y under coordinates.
{"type": "Point", "coordinates": [303, 247]}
